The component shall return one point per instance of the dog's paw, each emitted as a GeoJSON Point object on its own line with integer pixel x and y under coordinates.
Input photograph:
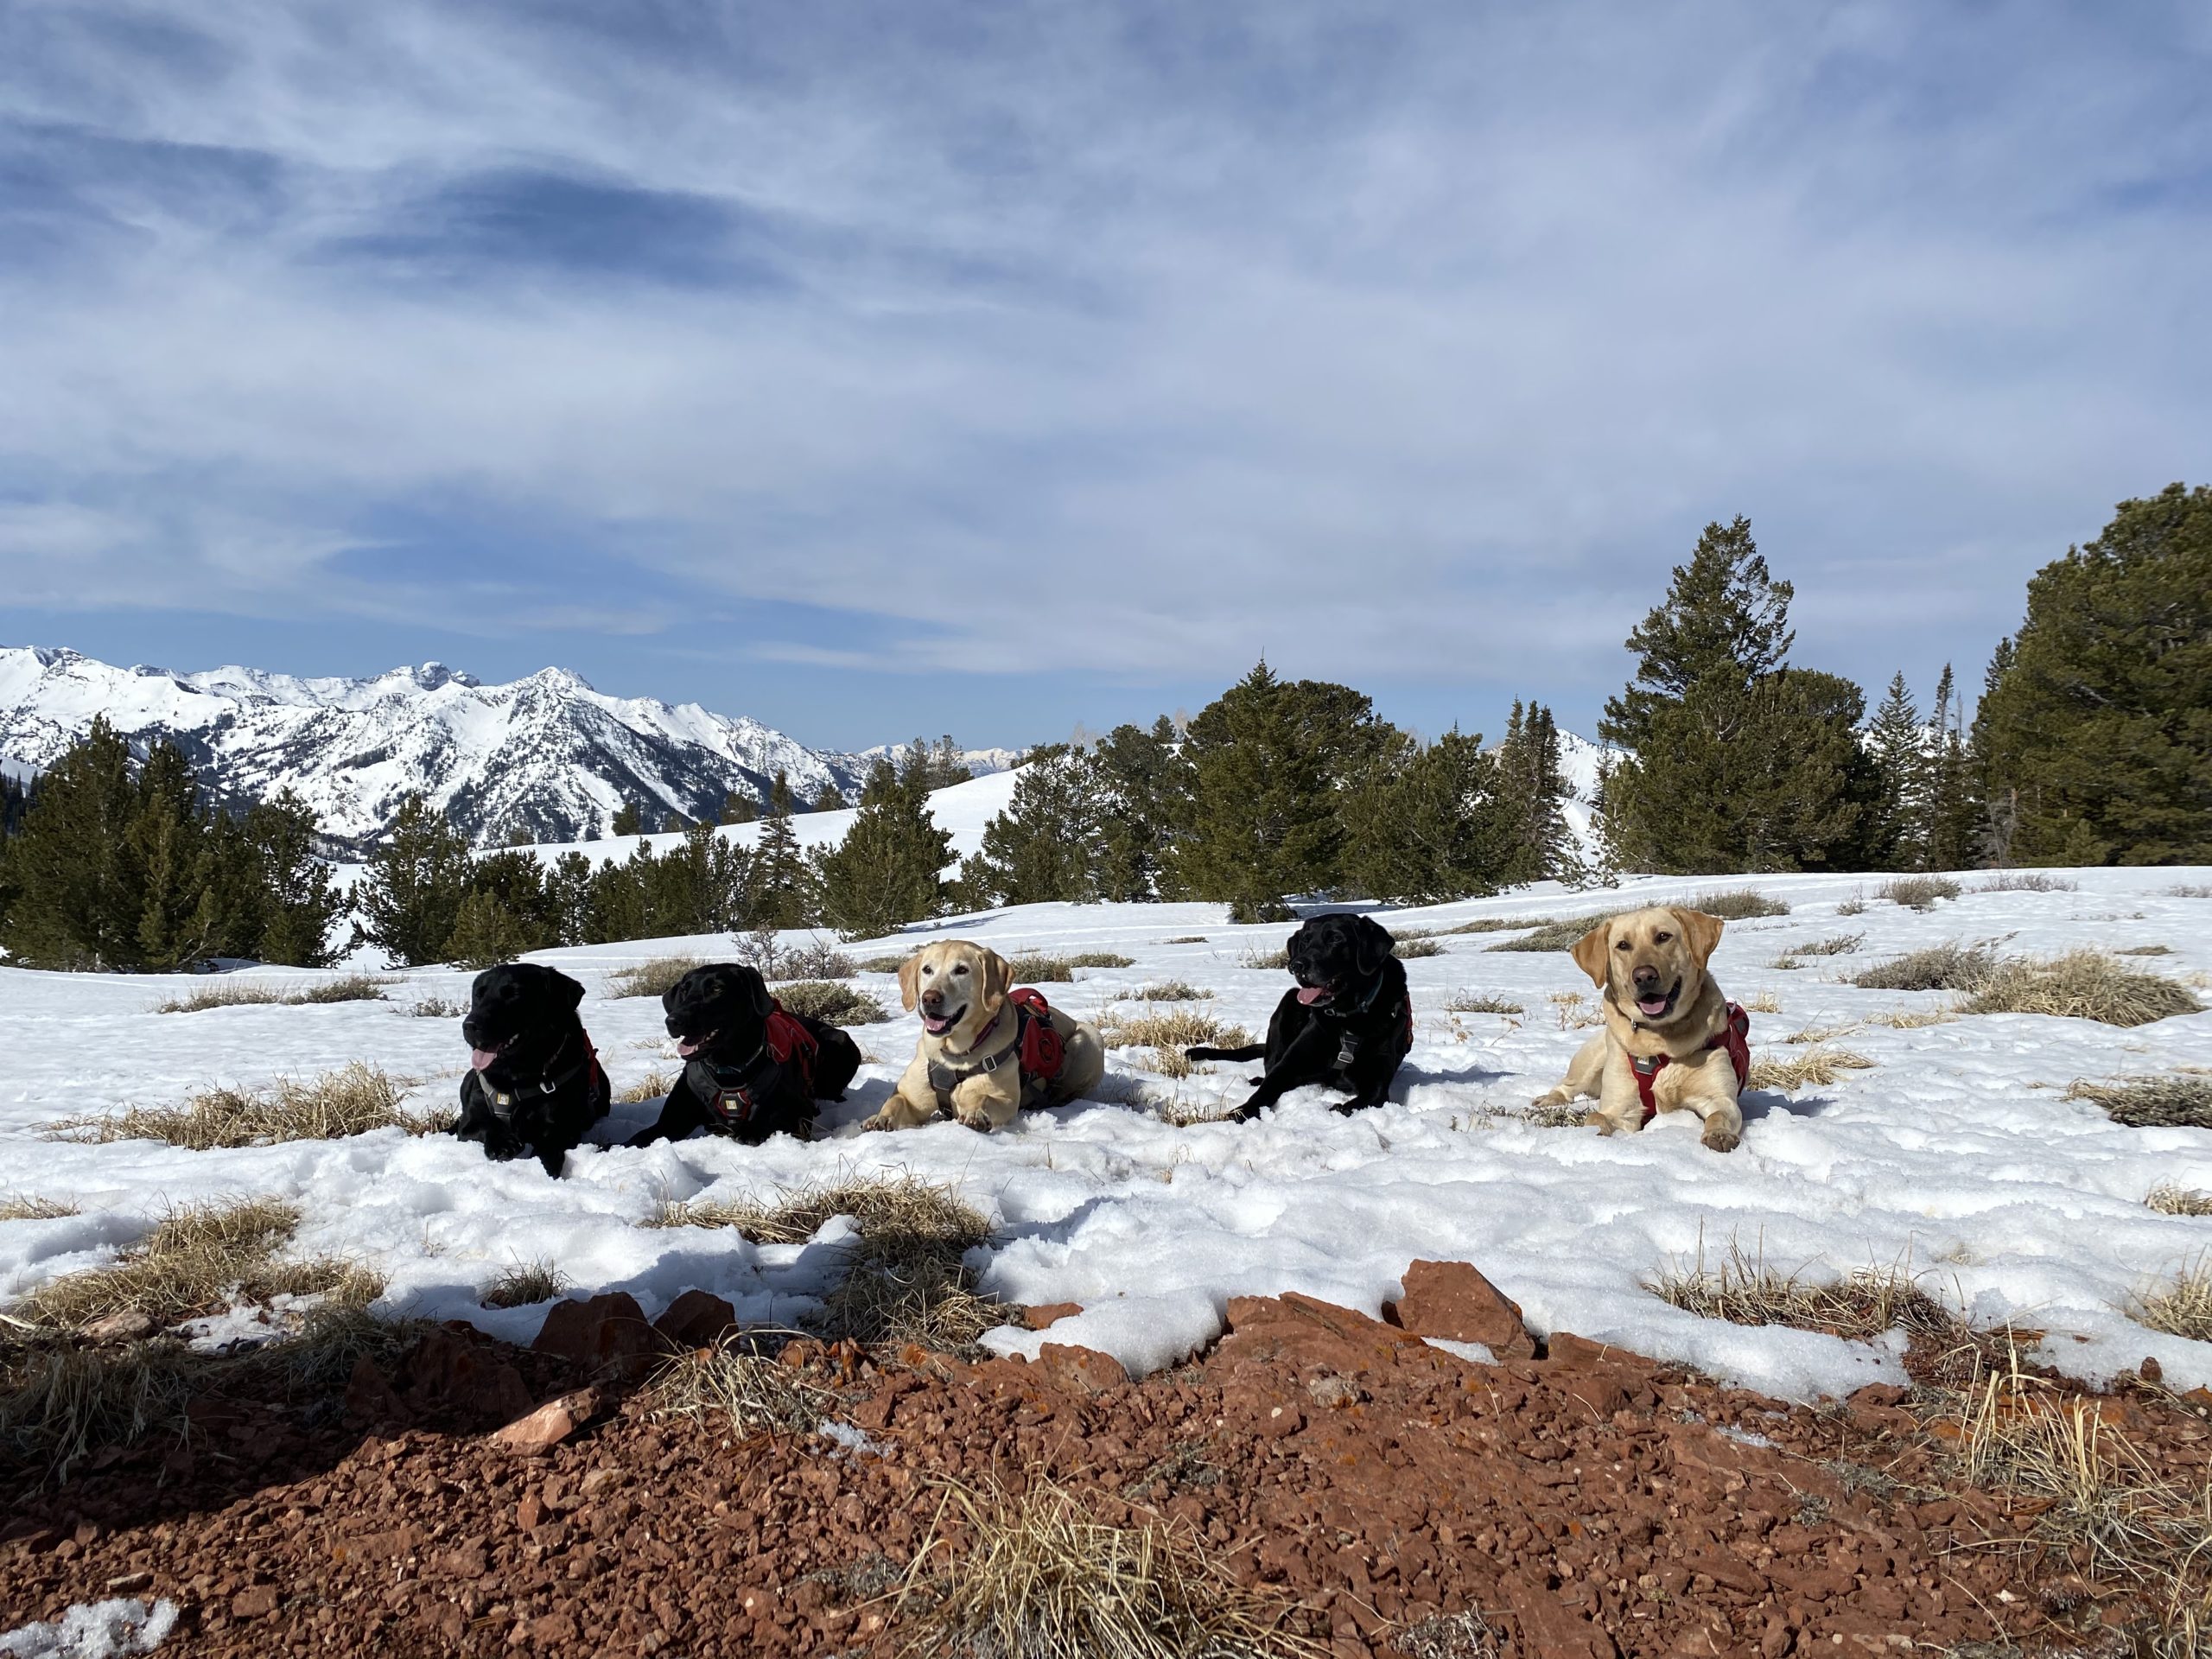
{"type": "Point", "coordinates": [1600, 1122]}
{"type": "Point", "coordinates": [879, 1121]}
{"type": "Point", "coordinates": [1719, 1139]}
{"type": "Point", "coordinates": [975, 1118]}
{"type": "Point", "coordinates": [1551, 1097]}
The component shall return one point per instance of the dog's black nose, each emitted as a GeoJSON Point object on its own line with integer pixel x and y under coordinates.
{"type": "Point", "coordinates": [1647, 975]}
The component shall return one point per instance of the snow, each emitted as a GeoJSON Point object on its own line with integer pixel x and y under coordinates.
{"type": "Point", "coordinates": [94, 1631]}
{"type": "Point", "coordinates": [1956, 1154]}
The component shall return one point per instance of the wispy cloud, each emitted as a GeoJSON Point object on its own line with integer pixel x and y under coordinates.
{"type": "Point", "coordinates": [1413, 344]}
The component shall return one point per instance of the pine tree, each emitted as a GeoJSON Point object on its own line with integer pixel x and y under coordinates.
{"type": "Point", "coordinates": [1532, 792]}
{"type": "Point", "coordinates": [1271, 761]}
{"type": "Point", "coordinates": [167, 858]}
{"type": "Point", "coordinates": [1736, 762]}
{"type": "Point", "coordinates": [296, 903]}
{"type": "Point", "coordinates": [1141, 791]}
{"type": "Point", "coordinates": [411, 891]}
{"type": "Point", "coordinates": [629, 820]}
{"type": "Point", "coordinates": [485, 933]}
{"type": "Point", "coordinates": [1432, 824]}
{"type": "Point", "coordinates": [887, 871]}
{"type": "Point", "coordinates": [779, 885]}
{"type": "Point", "coordinates": [1048, 845]}
{"type": "Point", "coordinates": [830, 799]}
{"type": "Point", "coordinates": [569, 896]}
{"type": "Point", "coordinates": [740, 807]}
{"type": "Point", "coordinates": [1897, 743]}
{"type": "Point", "coordinates": [2094, 733]}
{"type": "Point", "coordinates": [515, 880]}
{"type": "Point", "coordinates": [76, 903]}
{"type": "Point", "coordinates": [779, 796]}
{"type": "Point", "coordinates": [1949, 819]}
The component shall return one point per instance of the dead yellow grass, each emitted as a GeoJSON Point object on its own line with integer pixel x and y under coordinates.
{"type": "Point", "coordinates": [1816, 1067]}
{"type": "Point", "coordinates": [232, 993]}
{"type": "Point", "coordinates": [29, 1207]}
{"type": "Point", "coordinates": [833, 1003]}
{"type": "Point", "coordinates": [1413, 949]}
{"type": "Point", "coordinates": [2171, 1199]}
{"type": "Point", "coordinates": [2181, 1306]}
{"type": "Point", "coordinates": [1917, 892]}
{"type": "Point", "coordinates": [1764, 1003]}
{"type": "Point", "coordinates": [1911, 1019]}
{"type": "Point", "coordinates": [2080, 985]}
{"type": "Point", "coordinates": [1175, 1027]}
{"type": "Point", "coordinates": [653, 1086]}
{"type": "Point", "coordinates": [2180, 1100]}
{"type": "Point", "coordinates": [1478, 1003]}
{"type": "Point", "coordinates": [1821, 1033]}
{"type": "Point", "coordinates": [1037, 1574]}
{"type": "Point", "coordinates": [753, 1392]}
{"type": "Point", "coordinates": [653, 978]}
{"type": "Point", "coordinates": [525, 1284]}
{"type": "Point", "coordinates": [353, 1100]}
{"type": "Point", "coordinates": [1035, 967]}
{"type": "Point", "coordinates": [1174, 990]}
{"type": "Point", "coordinates": [1743, 1290]}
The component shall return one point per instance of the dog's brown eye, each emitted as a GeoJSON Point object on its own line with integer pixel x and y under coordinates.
{"type": "Point", "coordinates": [1623, 945]}
{"type": "Point", "coordinates": [1661, 939]}
{"type": "Point", "coordinates": [961, 969]}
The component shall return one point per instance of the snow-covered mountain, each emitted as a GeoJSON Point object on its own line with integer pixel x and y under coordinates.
{"type": "Point", "coordinates": [983, 763]}
{"type": "Point", "coordinates": [545, 758]}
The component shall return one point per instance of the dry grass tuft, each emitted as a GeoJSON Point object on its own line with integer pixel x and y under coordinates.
{"type": "Point", "coordinates": [1558, 1115]}
{"type": "Point", "coordinates": [1499, 924]}
{"type": "Point", "coordinates": [1912, 1018]}
{"type": "Point", "coordinates": [1175, 1062]}
{"type": "Point", "coordinates": [1917, 892]}
{"type": "Point", "coordinates": [1816, 1067]}
{"type": "Point", "coordinates": [1479, 1002]}
{"type": "Point", "coordinates": [2181, 1307]}
{"type": "Point", "coordinates": [1035, 968]}
{"type": "Point", "coordinates": [889, 1206]}
{"type": "Point", "coordinates": [1173, 1028]}
{"type": "Point", "coordinates": [882, 965]}
{"type": "Point", "coordinates": [827, 1000]}
{"type": "Point", "coordinates": [2182, 1100]}
{"type": "Point", "coordinates": [2080, 985]}
{"type": "Point", "coordinates": [1763, 1002]}
{"type": "Point", "coordinates": [1841, 945]}
{"type": "Point", "coordinates": [2169, 1199]}
{"type": "Point", "coordinates": [1854, 906]}
{"type": "Point", "coordinates": [653, 978]}
{"type": "Point", "coordinates": [1174, 990]}
{"type": "Point", "coordinates": [654, 1085]}
{"type": "Point", "coordinates": [1465, 1634]}
{"type": "Point", "coordinates": [197, 1259]}
{"type": "Point", "coordinates": [353, 1100]}
{"type": "Point", "coordinates": [1821, 1033]}
{"type": "Point", "coordinates": [1186, 938]}
{"type": "Point", "coordinates": [2028, 882]}
{"type": "Point", "coordinates": [1745, 1290]}
{"type": "Point", "coordinates": [1736, 904]}
{"type": "Point", "coordinates": [229, 993]}
{"type": "Point", "coordinates": [2146, 951]}
{"type": "Point", "coordinates": [2188, 890]}
{"type": "Point", "coordinates": [755, 1392]}
{"type": "Point", "coordinates": [1415, 948]}
{"type": "Point", "coordinates": [1038, 1575]}
{"type": "Point", "coordinates": [1276, 959]}
{"type": "Point", "coordinates": [1938, 967]}
{"type": "Point", "coordinates": [525, 1284]}
{"type": "Point", "coordinates": [24, 1206]}
{"type": "Point", "coordinates": [1558, 935]}
{"type": "Point", "coordinates": [438, 1007]}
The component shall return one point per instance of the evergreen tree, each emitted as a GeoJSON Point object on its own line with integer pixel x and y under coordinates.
{"type": "Point", "coordinates": [1949, 820]}
{"type": "Point", "coordinates": [77, 902]}
{"type": "Point", "coordinates": [411, 891]}
{"type": "Point", "coordinates": [168, 860]}
{"type": "Point", "coordinates": [1896, 744]}
{"type": "Point", "coordinates": [515, 883]}
{"type": "Point", "coordinates": [1141, 791]}
{"type": "Point", "coordinates": [296, 905]}
{"type": "Point", "coordinates": [740, 807]}
{"type": "Point", "coordinates": [831, 799]}
{"type": "Point", "coordinates": [485, 933]}
{"type": "Point", "coordinates": [779, 796]}
{"type": "Point", "coordinates": [629, 820]}
{"type": "Point", "coordinates": [1736, 762]}
{"type": "Point", "coordinates": [1271, 761]}
{"type": "Point", "coordinates": [1531, 792]}
{"type": "Point", "coordinates": [2095, 735]}
{"type": "Point", "coordinates": [569, 896]}
{"type": "Point", "coordinates": [888, 870]}
{"type": "Point", "coordinates": [779, 885]}
{"type": "Point", "coordinates": [1048, 845]}
{"type": "Point", "coordinates": [1432, 824]}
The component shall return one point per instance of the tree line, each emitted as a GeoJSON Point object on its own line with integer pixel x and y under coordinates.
{"type": "Point", "coordinates": [2091, 744]}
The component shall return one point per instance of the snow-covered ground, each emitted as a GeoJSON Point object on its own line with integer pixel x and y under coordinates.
{"type": "Point", "coordinates": [1955, 1153]}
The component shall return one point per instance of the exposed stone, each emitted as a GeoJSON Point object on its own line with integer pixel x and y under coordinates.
{"type": "Point", "coordinates": [1453, 1301]}
{"type": "Point", "coordinates": [1045, 1316]}
{"type": "Point", "coordinates": [257, 1601]}
{"type": "Point", "coordinates": [451, 1370]}
{"type": "Point", "coordinates": [127, 1325]}
{"type": "Point", "coordinates": [1079, 1370]}
{"type": "Point", "coordinates": [551, 1423]}
{"type": "Point", "coordinates": [693, 1319]}
{"type": "Point", "coordinates": [608, 1331]}
{"type": "Point", "coordinates": [370, 1398]}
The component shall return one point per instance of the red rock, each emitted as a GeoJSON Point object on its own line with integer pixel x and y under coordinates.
{"type": "Point", "coordinates": [552, 1628]}
{"type": "Point", "coordinates": [370, 1398]}
{"type": "Point", "coordinates": [696, 1318]}
{"type": "Point", "coordinates": [551, 1423]}
{"type": "Point", "coordinates": [452, 1371]}
{"type": "Point", "coordinates": [1049, 1314]}
{"type": "Point", "coordinates": [1313, 1336]}
{"type": "Point", "coordinates": [258, 1602]}
{"type": "Point", "coordinates": [128, 1325]}
{"type": "Point", "coordinates": [608, 1330]}
{"type": "Point", "coordinates": [1079, 1370]}
{"type": "Point", "coordinates": [1451, 1301]}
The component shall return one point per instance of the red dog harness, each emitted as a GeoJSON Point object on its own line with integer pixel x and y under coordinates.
{"type": "Point", "coordinates": [786, 1040]}
{"type": "Point", "coordinates": [1735, 1037]}
{"type": "Point", "coordinates": [1037, 1048]}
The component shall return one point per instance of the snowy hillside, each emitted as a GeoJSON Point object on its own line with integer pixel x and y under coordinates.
{"type": "Point", "coordinates": [546, 757]}
{"type": "Point", "coordinates": [1954, 1153]}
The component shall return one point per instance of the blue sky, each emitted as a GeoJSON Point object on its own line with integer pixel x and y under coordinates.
{"type": "Point", "coordinates": [898, 368]}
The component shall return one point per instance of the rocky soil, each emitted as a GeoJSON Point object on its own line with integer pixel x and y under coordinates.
{"type": "Point", "coordinates": [480, 1499]}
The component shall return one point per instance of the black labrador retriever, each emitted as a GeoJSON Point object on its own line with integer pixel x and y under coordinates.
{"type": "Point", "coordinates": [534, 1084]}
{"type": "Point", "coordinates": [750, 1069]}
{"type": "Point", "coordinates": [1348, 1022]}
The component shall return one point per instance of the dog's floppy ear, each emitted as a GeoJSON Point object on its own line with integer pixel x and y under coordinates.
{"type": "Point", "coordinates": [1589, 952]}
{"type": "Point", "coordinates": [910, 975]}
{"type": "Point", "coordinates": [1371, 943]}
{"type": "Point", "coordinates": [1700, 932]}
{"type": "Point", "coordinates": [567, 992]}
{"type": "Point", "coordinates": [998, 978]}
{"type": "Point", "coordinates": [756, 989]}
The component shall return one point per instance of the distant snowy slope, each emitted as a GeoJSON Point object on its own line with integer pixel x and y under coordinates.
{"type": "Point", "coordinates": [547, 757]}
{"type": "Point", "coordinates": [1581, 762]}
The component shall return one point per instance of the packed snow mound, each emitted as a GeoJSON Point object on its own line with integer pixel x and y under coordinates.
{"type": "Point", "coordinates": [102, 1629]}
{"type": "Point", "coordinates": [1956, 1154]}
{"type": "Point", "coordinates": [546, 756]}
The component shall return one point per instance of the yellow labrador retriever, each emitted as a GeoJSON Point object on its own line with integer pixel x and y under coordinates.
{"type": "Point", "coordinates": [979, 1056]}
{"type": "Point", "coordinates": [1672, 1042]}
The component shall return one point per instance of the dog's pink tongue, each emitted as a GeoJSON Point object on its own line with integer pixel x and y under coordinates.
{"type": "Point", "coordinates": [481, 1058]}
{"type": "Point", "coordinates": [1309, 995]}
{"type": "Point", "coordinates": [1652, 1004]}
{"type": "Point", "coordinates": [688, 1047]}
